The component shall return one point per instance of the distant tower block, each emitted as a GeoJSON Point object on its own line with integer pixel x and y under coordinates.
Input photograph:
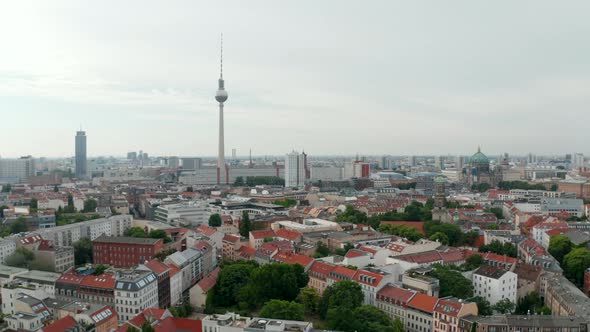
{"type": "Point", "coordinates": [439, 212]}
{"type": "Point", "coordinates": [221, 97]}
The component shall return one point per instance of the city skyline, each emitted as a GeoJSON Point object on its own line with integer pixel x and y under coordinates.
{"type": "Point", "coordinates": [358, 80]}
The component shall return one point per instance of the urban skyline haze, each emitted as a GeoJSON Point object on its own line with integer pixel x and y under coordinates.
{"type": "Point", "coordinates": [329, 77]}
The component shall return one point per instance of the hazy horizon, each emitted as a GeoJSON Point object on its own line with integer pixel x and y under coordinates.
{"type": "Point", "coordinates": [329, 77]}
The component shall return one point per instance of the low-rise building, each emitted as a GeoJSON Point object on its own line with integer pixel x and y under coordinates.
{"type": "Point", "coordinates": [162, 271]}
{"type": "Point", "coordinates": [494, 284]}
{"type": "Point", "coordinates": [513, 323]}
{"type": "Point", "coordinates": [449, 311]}
{"type": "Point", "coordinates": [125, 251]}
{"type": "Point", "coordinates": [135, 290]}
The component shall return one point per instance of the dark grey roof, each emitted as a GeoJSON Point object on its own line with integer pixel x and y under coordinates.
{"type": "Point", "coordinates": [135, 280]}
{"type": "Point", "coordinates": [126, 240]}
{"type": "Point", "coordinates": [490, 271]}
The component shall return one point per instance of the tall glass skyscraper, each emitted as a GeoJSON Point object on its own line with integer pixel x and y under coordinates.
{"type": "Point", "coordinates": [81, 154]}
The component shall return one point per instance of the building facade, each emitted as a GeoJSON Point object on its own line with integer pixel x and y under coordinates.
{"type": "Point", "coordinates": [125, 251]}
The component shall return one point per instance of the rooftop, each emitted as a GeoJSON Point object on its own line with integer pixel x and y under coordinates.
{"type": "Point", "coordinates": [126, 240]}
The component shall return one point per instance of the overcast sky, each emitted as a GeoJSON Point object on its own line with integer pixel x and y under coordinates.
{"type": "Point", "coordinates": [330, 77]}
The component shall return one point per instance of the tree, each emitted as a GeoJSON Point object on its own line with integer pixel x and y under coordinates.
{"type": "Point", "coordinates": [473, 262]}
{"type": "Point", "coordinates": [529, 304]}
{"type": "Point", "coordinates": [215, 220]}
{"type": "Point", "coordinates": [452, 283]}
{"type": "Point", "coordinates": [279, 309]}
{"type": "Point", "coordinates": [483, 306]}
{"type": "Point", "coordinates": [352, 215]}
{"type": "Point", "coordinates": [7, 188]}
{"type": "Point", "coordinates": [147, 327]}
{"type": "Point", "coordinates": [90, 205]}
{"type": "Point", "coordinates": [344, 294]}
{"type": "Point", "coordinates": [310, 300]}
{"type": "Point", "coordinates": [245, 225]}
{"type": "Point", "coordinates": [559, 246]}
{"type": "Point", "coordinates": [504, 306]}
{"type": "Point", "coordinates": [287, 202]}
{"type": "Point", "coordinates": [230, 280]}
{"type": "Point", "coordinates": [135, 232]}
{"type": "Point", "coordinates": [407, 232]}
{"type": "Point", "coordinates": [82, 251]}
{"type": "Point", "coordinates": [398, 325]}
{"type": "Point", "coordinates": [499, 248]}
{"type": "Point", "coordinates": [18, 226]}
{"type": "Point", "coordinates": [239, 181]}
{"type": "Point", "coordinates": [56, 188]}
{"type": "Point", "coordinates": [21, 257]}
{"type": "Point", "coordinates": [99, 269]}
{"type": "Point", "coordinates": [70, 208]}
{"type": "Point", "coordinates": [575, 263]}
{"type": "Point", "coordinates": [343, 251]}
{"type": "Point", "coordinates": [2, 208]}
{"type": "Point", "coordinates": [371, 319]}
{"type": "Point", "coordinates": [493, 227]}
{"type": "Point", "coordinates": [159, 234]}
{"type": "Point", "coordinates": [452, 231]}
{"type": "Point", "coordinates": [497, 211]}
{"type": "Point", "coordinates": [34, 203]}
{"type": "Point", "coordinates": [273, 281]}
{"type": "Point", "coordinates": [440, 237]}
{"type": "Point", "coordinates": [132, 329]}
{"type": "Point", "coordinates": [321, 250]}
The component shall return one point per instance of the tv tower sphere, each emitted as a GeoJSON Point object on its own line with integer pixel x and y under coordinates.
{"type": "Point", "coordinates": [221, 95]}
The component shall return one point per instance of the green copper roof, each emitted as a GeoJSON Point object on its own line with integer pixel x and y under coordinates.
{"type": "Point", "coordinates": [479, 158]}
{"type": "Point", "coordinates": [439, 179]}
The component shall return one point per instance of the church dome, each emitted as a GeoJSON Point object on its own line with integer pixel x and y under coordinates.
{"type": "Point", "coordinates": [479, 158]}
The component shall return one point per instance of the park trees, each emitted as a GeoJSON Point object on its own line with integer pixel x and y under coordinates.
{"type": "Point", "coordinates": [215, 220]}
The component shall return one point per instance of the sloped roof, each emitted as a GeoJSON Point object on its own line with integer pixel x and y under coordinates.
{"type": "Point", "coordinates": [61, 325]}
{"type": "Point", "coordinates": [396, 294]}
{"type": "Point", "coordinates": [423, 302]}
{"type": "Point", "coordinates": [209, 281]}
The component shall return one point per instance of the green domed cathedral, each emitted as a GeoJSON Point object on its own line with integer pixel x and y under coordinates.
{"type": "Point", "coordinates": [479, 170]}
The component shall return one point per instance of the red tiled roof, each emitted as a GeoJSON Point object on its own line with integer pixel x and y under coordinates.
{"type": "Point", "coordinates": [448, 308]}
{"type": "Point", "coordinates": [423, 257]}
{"type": "Point", "coordinates": [231, 238]}
{"type": "Point", "coordinates": [262, 234]}
{"type": "Point", "coordinates": [343, 272]}
{"type": "Point", "coordinates": [490, 256]}
{"type": "Point", "coordinates": [246, 252]}
{"type": "Point", "coordinates": [206, 230]}
{"type": "Point", "coordinates": [352, 253]}
{"type": "Point", "coordinates": [291, 258]}
{"type": "Point", "coordinates": [419, 225]}
{"type": "Point", "coordinates": [368, 278]}
{"type": "Point", "coordinates": [173, 270]}
{"type": "Point", "coordinates": [105, 281]}
{"type": "Point", "coordinates": [61, 325]}
{"type": "Point", "coordinates": [368, 249]}
{"type": "Point", "coordinates": [179, 324]}
{"type": "Point", "coordinates": [396, 294]}
{"type": "Point", "coordinates": [156, 266]}
{"type": "Point", "coordinates": [209, 281]}
{"type": "Point", "coordinates": [320, 268]}
{"type": "Point", "coordinates": [70, 277]}
{"type": "Point", "coordinates": [149, 314]}
{"type": "Point", "coordinates": [423, 302]}
{"type": "Point", "coordinates": [288, 234]}
{"type": "Point", "coordinates": [557, 231]}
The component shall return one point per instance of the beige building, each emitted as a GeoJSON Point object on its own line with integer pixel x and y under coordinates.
{"type": "Point", "coordinates": [448, 312]}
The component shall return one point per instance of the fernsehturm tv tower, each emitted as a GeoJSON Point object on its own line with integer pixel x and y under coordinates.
{"type": "Point", "coordinates": [221, 97]}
